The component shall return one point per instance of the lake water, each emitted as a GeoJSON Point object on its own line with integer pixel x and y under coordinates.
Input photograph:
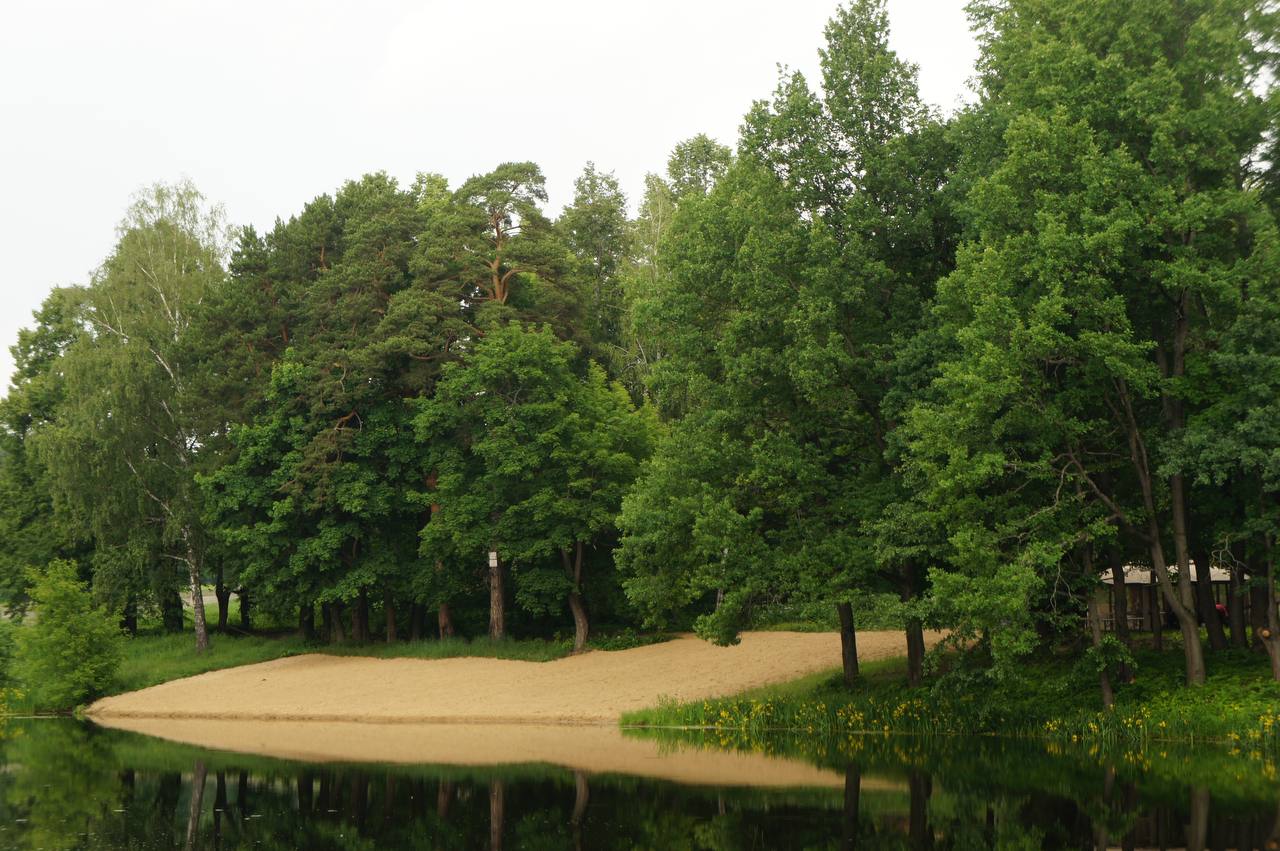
{"type": "Point", "coordinates": [67, 784]}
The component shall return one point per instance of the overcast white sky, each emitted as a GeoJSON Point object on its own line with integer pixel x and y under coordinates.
{"type": "Point", "coordinates": [267, 104]}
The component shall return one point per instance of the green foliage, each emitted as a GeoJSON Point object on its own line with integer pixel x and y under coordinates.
{"type": "Point", "coordinates": [73, 650]}
{"type": "Point", "coordinates": [595, 231]}
{"type": "Point", "coordinates": [873, 612]}
{"type": "Point", "coordinates": [132, 426]}
{"type": "Point", "coordinates": [696, 164]}
{"type": "Point", "coordinates": [628, 639]}
{"type": "Point", "coordinates": [789, 285]}
{"type": "Point", "coordinates": [532, 458]}
{"type": "Point", "coordinates": [1113, 238]}
{"type": "Point", "coordinates": [943, 370]}
{"type": "Point", "coordinates": [317, 496]}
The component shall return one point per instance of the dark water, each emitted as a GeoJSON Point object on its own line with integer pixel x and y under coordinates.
{"type": "Point", "coordinates": [69, 785]}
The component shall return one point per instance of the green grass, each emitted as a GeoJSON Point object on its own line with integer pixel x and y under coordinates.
{"type": "Point", "coordinates": [1055, 698]}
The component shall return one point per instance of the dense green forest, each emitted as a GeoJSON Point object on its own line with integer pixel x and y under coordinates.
{"type": "Point", "coordinates": [969, 362]}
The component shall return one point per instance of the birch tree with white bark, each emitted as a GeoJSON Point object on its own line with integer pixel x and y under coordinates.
{"type": "Point", "coordinates": [134, 427]}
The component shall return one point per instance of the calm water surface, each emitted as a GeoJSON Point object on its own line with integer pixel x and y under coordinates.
{"type": "Point", "coordinates": [67, 784]}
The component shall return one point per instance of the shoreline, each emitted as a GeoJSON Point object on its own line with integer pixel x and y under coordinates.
{"type": "Point", "coordinates": [596, 749]}
{"type": "Point", "coordinates": [591, 689]}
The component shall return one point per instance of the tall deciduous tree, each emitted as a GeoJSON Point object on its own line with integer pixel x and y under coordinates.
{"type": "Point", "coordinates": [863, 159]}
{"type": "Point", "coordinates": [1233, 443]}
{"type": "Point", "coordinates": [134, 428]}
{"type": "Point", "coordinates": [30, 533]}
{"type": "Point", "coordinates": [322, 497]}
{"type": "Point", "coordinates": [1111, 242]}
{"type": "Point", "coordinates": [532, 460]}
{"type": "Point", "coordinates": [595, 229]}
{"type": "Point", "coordinates": [753, 492]}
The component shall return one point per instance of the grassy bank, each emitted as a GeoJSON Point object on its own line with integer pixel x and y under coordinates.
{"type": "Point", "coordinates": [1055, 699]}
{"type": "Point", "coordinates": [153, 659]}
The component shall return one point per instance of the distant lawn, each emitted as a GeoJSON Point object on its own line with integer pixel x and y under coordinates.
{"type": "Point", "coordinates": [153, 659]}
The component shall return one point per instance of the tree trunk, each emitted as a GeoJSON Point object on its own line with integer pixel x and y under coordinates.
{"type": "Point", "coordinates": [915, 652]}
{"type": "Point", "coordinates": [1180, 599]}
{"type": "Point", "coordinates": [581, 627]}
{"type": "Point", "coordinates": [1235, 606]}
{"type": "Point", "coordinates": [1119, 594]}
{"type": "Point", "coordinates": [171, 611]}
{"type": "Point", "coordinates": [223, 593]}
{"type": "Point", "coordinates": [1182, 604]}
{"type": "Point", "coordinates": [389, 609]}
{"type": "Point", "coordinates": [497, 600]}
{"type": "Point", "coordinates": [129, 617]}
{"type": "Point", "coordinates": [417, 614]}
{"type": "Point", "coordinates": [444, 617]}
{"type": "Point", "coordinates": [219, 807]}
{"type": "Point", "coordinates": [360, 617]}
{"type": "Point", "coordinates": [1198, 827]}
{"type": "Point", "coordinates": [914, 629]}
{"type": "Point", "coordinates": [852, 803]}
{"type": "Point", "coordinates": [195, 804]}
{"type": "Point", "coordinates": [306, 792]}
{"type": "Point", "coordinates": [337, 632]}
{"type": "Point", "coordinates": [1270, 634]}
{"type": "Point", "coordinates": [166, 808]}
{"type": "Point", "coordinates": [848, 643]}
{"type": "Point", "coordinates": [1257, 606]}
{"type": "Point", "coordinates": [246, 616]}
{"type": "Point", "coordinates": [197, 598]}
{"type": "Point", "coordinates": [581, 796]}
{"type": "Point", "coordinates": [1206, 603]}
{"type": "Point", "coordinates": [1095, 633]}
{"type": "Point", "coordinates": [389, 798]}
{"type": "Point", "coordinates": [444, 794]}
{"type": "Point", "coordinates": [920, 788]}
{"type": "Point", "coordinates": [359, 799]}
{"type": "Point", "coordinates": [1192, 650]}
{"type": "Point", "coordinates": [497, 794]}
{"type": "Point", "coordinates": [1157, 616]}
{"type": "Point", "coordinates": [307, 622]}
{"type": "Point", "coordinates": [242, 795]}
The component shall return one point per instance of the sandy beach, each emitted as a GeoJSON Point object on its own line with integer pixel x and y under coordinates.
{"type": "Point", "coordinates": [592, 688]}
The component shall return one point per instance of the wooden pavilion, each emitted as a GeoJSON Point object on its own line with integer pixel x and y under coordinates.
{"type": "Point", "coordinates": [1142, 595]}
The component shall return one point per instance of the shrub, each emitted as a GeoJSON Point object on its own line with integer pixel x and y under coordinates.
{"type": "Point", "coordinates": [72, 651]}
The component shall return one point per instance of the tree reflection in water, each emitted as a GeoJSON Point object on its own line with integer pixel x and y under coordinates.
{"type": "Point", "coordinates": [69, 785]}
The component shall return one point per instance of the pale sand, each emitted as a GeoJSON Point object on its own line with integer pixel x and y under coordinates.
{"type": "Point", "coordinates": [592, 688]}
{"type": "Point", "coordinates": [594, 749]}
{"type": "Point", "coordinates": [317, 708]}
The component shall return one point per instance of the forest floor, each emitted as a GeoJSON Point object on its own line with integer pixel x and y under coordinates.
{"type": "Point", "coordinates": [591, 688]}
